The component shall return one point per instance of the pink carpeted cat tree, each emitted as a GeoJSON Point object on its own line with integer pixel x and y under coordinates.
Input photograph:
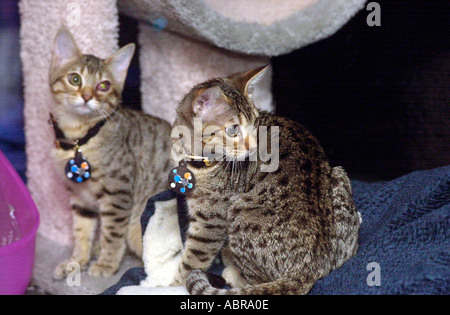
{"type": "Point", "coordinates": [200, 39]}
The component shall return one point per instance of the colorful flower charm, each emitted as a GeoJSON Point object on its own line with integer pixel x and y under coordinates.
{"type": "Point", "coordinates": [78, 169]}
{"type": "Point", "coordinates": [181, 179]}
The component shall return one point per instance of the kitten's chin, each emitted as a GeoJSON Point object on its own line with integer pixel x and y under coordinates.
{"type": "Point", "coordinates": [83, 110]}
{"type": "Point", "coordinates": [240, 157]}
{"type": "Point", "coordinates": [76, 114]}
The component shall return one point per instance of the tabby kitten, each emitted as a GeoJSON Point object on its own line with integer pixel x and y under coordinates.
{"type": "Point", "coordinates": [279, 231]}
{"type": "Point", "coordinates": [129, 156]}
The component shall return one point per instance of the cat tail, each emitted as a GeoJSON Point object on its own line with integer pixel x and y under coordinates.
{"type": "Point", "coordinates": [198, 284]}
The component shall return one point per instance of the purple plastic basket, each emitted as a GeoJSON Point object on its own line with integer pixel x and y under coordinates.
{"type": "Point", "coordinates": [17, 259]}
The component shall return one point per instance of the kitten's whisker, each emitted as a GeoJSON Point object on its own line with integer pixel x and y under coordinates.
{"type": "Point", "coordinates": [107, 115]}
{"type": "Point", "coordinates": [120, 116]}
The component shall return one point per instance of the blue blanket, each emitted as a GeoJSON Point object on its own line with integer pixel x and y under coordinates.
{"type": "Point", "coordinates": [404, 239]}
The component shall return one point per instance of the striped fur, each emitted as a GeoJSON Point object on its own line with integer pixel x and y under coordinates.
{"type": "Point", "coordinates": [129, 157]}
{"type": "Point", "coordinates": [279, 232]}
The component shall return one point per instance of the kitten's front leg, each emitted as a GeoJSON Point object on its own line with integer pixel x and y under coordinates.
{"type": "Point", "coordinates": [115, 216]}
{"type": "Point", "coordinates": [204, 241]}
{"type": "Point", "coordinates": [84, 225]}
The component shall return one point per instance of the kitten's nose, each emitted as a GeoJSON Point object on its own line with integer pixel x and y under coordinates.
{"type": "Point", "coordinates": [87, 97]}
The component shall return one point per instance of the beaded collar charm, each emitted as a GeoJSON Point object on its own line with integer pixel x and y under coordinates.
{"type": "Point", "coordinates": [78, 169]}
{"type": "Point", "coordinates": [181, 179]}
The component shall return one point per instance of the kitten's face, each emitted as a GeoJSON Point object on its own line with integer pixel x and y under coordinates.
{"type": "Point", "coordinates": [84, 85]}
{"type": "Point", "coordinates": [228, 115]}
{"type": "Point", "coordinates": [86, 88]}
{"type": "Point", "coordinates": [230, 135]}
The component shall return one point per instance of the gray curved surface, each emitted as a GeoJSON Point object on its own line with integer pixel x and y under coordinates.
{"type": "Point", "coordinates": [198, 20]}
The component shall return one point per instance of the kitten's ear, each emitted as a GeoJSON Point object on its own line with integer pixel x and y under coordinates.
{"type": "Point", "coordinates": [65, 48]}
{"type": "Point", "coordinates": [246, 81]}
{"type": "Point", "coordinates": [120, 62]}
{"type": "Point", "coordinates": [210, 103]}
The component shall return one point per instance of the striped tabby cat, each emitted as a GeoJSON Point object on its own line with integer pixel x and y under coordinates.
{"type": "Point", "coordinates": [279, 232]}
{"type": "Point", "coordinates": [128, 153]}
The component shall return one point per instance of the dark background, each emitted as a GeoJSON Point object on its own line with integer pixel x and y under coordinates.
{"type": "Point", "coordinates": [377, 98]}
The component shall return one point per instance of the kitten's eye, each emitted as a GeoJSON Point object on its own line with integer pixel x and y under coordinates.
{"type": "Point", "coordinates": [104, 86]}
{"type": "Point", "coordinates": [74, 79]}
{"type": "Point", "coordinates": [232, 131]}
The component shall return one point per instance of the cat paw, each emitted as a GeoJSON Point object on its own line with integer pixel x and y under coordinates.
{"type": "Point", "coordinates": [67, 267]}
{"type": "Point", "coordinates": [233, 277]}
{"type": "Point", "coordinates": [101, 270]}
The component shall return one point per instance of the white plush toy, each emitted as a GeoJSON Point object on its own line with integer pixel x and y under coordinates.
{"type": "Point", "coordinates": [162, 252]}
